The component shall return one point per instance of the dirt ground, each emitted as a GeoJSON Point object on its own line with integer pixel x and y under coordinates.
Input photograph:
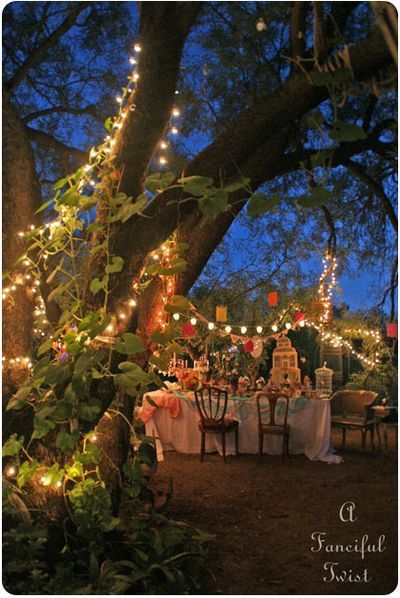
{"type": "Point", "coordinates": [263, 516]}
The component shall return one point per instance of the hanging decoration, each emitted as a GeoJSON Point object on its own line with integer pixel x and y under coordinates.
{"type": "Point", "coordinates": [221, 313]}
{"type": "Point", "coordinates": [392, 330]}
{"type": "Point", "coordinates": [188, 330]}
{"type": "Point", "coordinates": [273, 299]}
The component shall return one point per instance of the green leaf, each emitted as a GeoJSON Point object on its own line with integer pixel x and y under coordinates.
{"type": "Point", "coordinates": [108, 123]}
{"type": "Point", "coordinates": [57, 373]}
{"type": "Point", "coordinates": [129, 344]}
{"type": "Point", "coordinates": [319, 197]}
{"type": "Point", "coordinates": [116, 265]}
{"type": "Point", "coordinates": [196, 185]}
{"type": "Point", "coordinates": [53, 475]}
{"type": "Point", "coordinates": [161, 363]}
{"type": "Point", "coordinates": [46, 346]}
{"type": "Point", "coordinates": [237, 184]}
{"type": "Point", "coordinates": [60, 183]}
{"type": "Point", "coordinates": [19, 400]}
{"type": "Point", "coordinates": [65, 441]}
{"type": "Point", "coordinates": [95, 226]}
{"type": "Point", "coordinates": [84, 361]}
{"type": "Point", "coordinates": [163, 338]}
{"type": "Point", "coordinates": [259, 204]}
{"type": "Point", "coordinates": [213, 205]}
{"type": "Point", "coordinates": [71, 197]}
{"type": "Point", "coordinates": [89, 412]}
{"type": "Point", "coordinates": [343, 131]}
{"type": "Point", "coordinates": [91, 455]}
{"type": "Point", "coordinates": [44, 206]}
{"type": "Point", "coordinates": [13, 445]}
{"type": "Point", "coordinates": [26, 472]}
{"type": "Point", "coordinates": [153, 182]}
{"type": "Point", "coordinates": [178, 303]}
{"type": "Point", "coordinates": [176, 265]}
{"type": "Point", "coordinates": [97, 285]}
{"type": "Point", "coordinates": [332, 78]}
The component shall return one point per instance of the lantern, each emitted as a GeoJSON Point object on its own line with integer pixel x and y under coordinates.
{"type": "Point", "coordinates": [391, 330]}
{"type": "Point", "coordinates": [273, 299]}
{"type": "Point", "coordinates": [221, 313]}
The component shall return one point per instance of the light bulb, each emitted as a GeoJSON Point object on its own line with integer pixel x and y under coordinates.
{"type": "Point", "coordinates": [243, 330]}
{"type": "Point", "coordinates": [163, 145]}
{"type": "Point", "coordinates": [228, 329]}
{"type": "Point", "coordinates": [176, 112]}
{"type": "Point", "coordinates": [110, 328]}
{"type": "Point", "coordinates": [135, 76]}
{"type": "Point", "coordinates": [176, 317]}
{"type": "Point", "coordinates": [137, 48]}
{"type": "Point", "coordinates": [174, 130]}
{"type": "Point", "coordinates": [211, 325]}
{"type": "Point", "coordinates": [162, 160]}
{"type": "Point", "coordinates": [288, 325]}
{"type": "Point", "coordinates": [132, 60]}
{"type": "Point", "coordinates": [302, 323]}
{"type": "Point", "coordinates": [132, 302]}
{"type": "Point", "coordinates": [11, 471]}
{"type": "Point", "coordinates": [260, 25]}
{"type": "Point", "coordinates": [274, 328]}
{"type": "Point", "coordinates": [118, 99]}
{"type": "Point", "coordinates": [193, 321]}
{"type": "Point", "coordinates": [58, 484]}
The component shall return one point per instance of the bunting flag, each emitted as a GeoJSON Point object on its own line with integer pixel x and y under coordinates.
{"type": "Point", "coordinates": [273, 299]}
{"type": "Point", "coordinates": [392, 330]}
{"type": "Point", "coordinates": [188, 330]}
{"type": "Point", "coordinates": [298, 315]}
{"type": "Point", "coordinates": [221, 313]}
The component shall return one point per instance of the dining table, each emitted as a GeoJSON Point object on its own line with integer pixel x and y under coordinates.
{"type": "Point", "coordinates": [171, 417]}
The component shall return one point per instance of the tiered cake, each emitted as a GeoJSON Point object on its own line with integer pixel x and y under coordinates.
{"type": "Point", "coordinates": [284, 362]}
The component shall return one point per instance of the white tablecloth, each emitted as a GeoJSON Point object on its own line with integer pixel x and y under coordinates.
{"type": "Point", "coordinates": [310, 421]}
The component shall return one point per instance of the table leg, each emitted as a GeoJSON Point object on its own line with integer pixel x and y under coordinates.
{"type": "Point", "coordinates": [377, 425]}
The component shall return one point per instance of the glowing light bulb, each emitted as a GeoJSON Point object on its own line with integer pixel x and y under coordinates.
{"type": "Point", "coordinates": [274, 328]}
{"type": "Point", "coordinates": [110, 328]}
{"type": "Point", "coordinates": [93, 438]}
{"type": "Point", "coordinates": [302, 323]}
{"type": "Point", "coordinates": [156, 257]}
{"type": "Point", "coordinates": [259, 329]}
{"type": "Point", "coordinates": [11, 471]}
{"type": "Point", "coordinates": [132, 60]}
{"type": "Point", "coordinates": [176, 317]}
{"type": "Point", "coordinates": [162, 160]}
{"type": "Point", "coordinates": [118, 99]}
{"type": "Point", "coordinates": [135, 76]}
{"type": "Point", "coordinates": [193, 321]}
{"type": "Point", "coordinates": [260, 25]}
{"type": "Point", "coordinates": [132, 302]}
{"type": "Point", "coordinates": [211, 326]}
{"type": "Point", "coordinates": [174, 131]}
{"type": "Point", "coordinates": [58, 484]}
{"type": "Point", "coordinates": [122, 316]}
{"type": "Point", "coordinates": [288, 325]}
{"type": "Point", "coordinates": [21, 234]}
{"type": "Point", "coordinates": [176, 112]}
{"type": "Point", "coordinates": [163, 145]}
{"type": "Point", "coordinates": [228, 329]}
{"type": "Point", "coordinates": [137, 48]}
{"type": "Point", "coordinates": [243, 330]}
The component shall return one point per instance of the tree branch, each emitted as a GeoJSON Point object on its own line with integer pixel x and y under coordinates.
{"type": "Point", "coordinates": [378, 190]}
{"type": "Point", "coordinates": [90, 109]}
{"type": "Point", "coordinates": [59, 146]}
{"type": "Point", "coordinates": [40, 51]}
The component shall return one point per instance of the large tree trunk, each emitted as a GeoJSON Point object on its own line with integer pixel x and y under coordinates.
{"type": "Point", "coordinates": [21, 198]}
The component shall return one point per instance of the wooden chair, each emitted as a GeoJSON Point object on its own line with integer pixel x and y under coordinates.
{"type": "Point", "coordinates": [352, 410]}
{"type": "Point", "coordinates": [211, 404]}
{"type": "Point", "coordinates": [271, 426]}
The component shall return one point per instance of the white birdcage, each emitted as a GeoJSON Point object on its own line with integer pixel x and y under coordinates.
{"type": "Point", "coordinates": [323, 379]}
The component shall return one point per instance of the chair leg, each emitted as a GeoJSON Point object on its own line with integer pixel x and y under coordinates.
{"type": "Point", "coordinates": [363, 438]}
{"type": "Point", "coordinates": [343, 436]}
{"type": "Point", "coordinates": [378, 433]}
{"type": "Point", "coordinates": [237, 441]}
{"type": "Point", "coordinates": [372, 437]}
{"type": "Point", "coordinates": [260, 445]}
{"type": "Point", "coordinates": [223, 446]}
{"type": "Point", "coordinates": [283, 448]}
{"type": "Point", "coordinates": [203, 443]}
{"type": "Point", "coordinates": [385, 436]}
{"type": "Point", "coordinates": [287, 446]}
